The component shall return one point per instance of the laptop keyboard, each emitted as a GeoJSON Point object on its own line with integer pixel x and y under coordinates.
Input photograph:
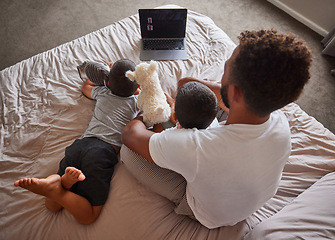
{"type": "Point", "coordinates": [163, 44]}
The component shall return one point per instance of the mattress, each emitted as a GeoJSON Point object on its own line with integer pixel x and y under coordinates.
{"type": "Point", "coordinates": [42, 110]}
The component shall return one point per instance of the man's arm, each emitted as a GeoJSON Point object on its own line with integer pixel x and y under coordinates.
{"type": "Point", "coordinates": [136, 137]}
{"type": "Point", "coordinates": [87, 88]}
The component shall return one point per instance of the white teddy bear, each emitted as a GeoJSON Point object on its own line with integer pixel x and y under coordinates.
{"type": "Point", "coordinates": [151, 100]}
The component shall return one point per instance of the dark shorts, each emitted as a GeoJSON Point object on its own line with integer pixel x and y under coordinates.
{"type": "Point", "coordinates": [96, 159]}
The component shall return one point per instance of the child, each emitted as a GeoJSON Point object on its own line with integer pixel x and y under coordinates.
{"type": "Point", "coordinates": [195, 107]}
{"type": "Point", "coordinates": [84, 192]}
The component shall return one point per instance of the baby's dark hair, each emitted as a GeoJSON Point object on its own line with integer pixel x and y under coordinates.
{"type": "Point", "coordinates": [119, 84]}
{"type": "Point", "coordinates": [271, 69]}
{"type": "Point", "coordinates": [196, 105]}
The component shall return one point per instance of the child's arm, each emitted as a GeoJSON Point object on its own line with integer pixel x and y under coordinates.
{"type": "Point", "coordinates": [110, 64]}
{"type": "Point", "coordinates": [158, 127]}
{"type": "Point", "coordinates": [171, 102]}
{"type": "Point", "coordinates": [87, 88]}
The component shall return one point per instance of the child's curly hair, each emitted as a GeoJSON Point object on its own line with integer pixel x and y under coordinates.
{"type": "Point", "coordinates": [271, 69]}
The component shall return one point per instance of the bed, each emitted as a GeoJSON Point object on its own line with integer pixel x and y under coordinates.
{"type": "Point", "coordinates": [43, 111]}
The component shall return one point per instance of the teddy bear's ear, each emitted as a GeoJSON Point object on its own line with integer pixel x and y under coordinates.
{"type": "Point", "coordinates": [130, 75]}
{"type": "Point", "coordinates": [153, 65]}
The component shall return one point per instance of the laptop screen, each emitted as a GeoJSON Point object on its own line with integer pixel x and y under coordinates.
{"type": "Point", "coordinates": [163, 23]}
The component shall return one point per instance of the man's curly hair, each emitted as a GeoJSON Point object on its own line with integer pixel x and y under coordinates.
{"type": "Point", "coordinates": [271, 69]}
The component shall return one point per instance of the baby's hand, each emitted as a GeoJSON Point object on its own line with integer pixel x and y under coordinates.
{"type": "Point", "coordinates": [158, 127]}
{"type": "Point", "coordinates": [171, 102]}
{"type": "Point", "coordinates": [110, 64]}
{"type": "Point", "coordinates": [89, 82]}
{"type": "Point", "coordinates": [138, 90]}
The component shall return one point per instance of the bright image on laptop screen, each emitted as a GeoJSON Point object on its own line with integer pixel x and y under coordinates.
{"type": "Point", "coordinates": [163, 34]}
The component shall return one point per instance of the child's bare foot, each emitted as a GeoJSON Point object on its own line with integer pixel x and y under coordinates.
{"type": "Point", "coordinates": [49, 187]}
{"type": "Point", "coordinates": [71, 176]}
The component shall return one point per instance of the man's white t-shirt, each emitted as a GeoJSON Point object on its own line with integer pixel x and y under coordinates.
{"type": "Point", "coordinates": [231, 170]}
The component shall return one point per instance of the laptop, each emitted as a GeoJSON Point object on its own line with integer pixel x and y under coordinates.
{"type": "Point", "coordinates": [163, 34]}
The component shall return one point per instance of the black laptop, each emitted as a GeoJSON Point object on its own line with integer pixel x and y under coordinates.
{"type": "Point", "coordinates": [163, 34]}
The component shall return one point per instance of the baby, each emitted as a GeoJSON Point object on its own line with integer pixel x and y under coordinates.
{"type": "Point", "coordinates": [84, 192]}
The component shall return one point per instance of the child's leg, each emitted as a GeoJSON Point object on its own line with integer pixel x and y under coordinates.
{"type": "Point", "coordinates": [52, 205]}
{"type": "Point", "coordinates": [42, 187]}
{"type": "Point", "coordinates": [79, 207]}
{"type": "Point", "coordinates": [70, 177]}
{"type": "Point", "coordinates": [51, 187]}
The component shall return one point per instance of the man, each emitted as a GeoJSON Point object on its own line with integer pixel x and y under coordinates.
{"type": "Point", "coordinates": [232, 170]}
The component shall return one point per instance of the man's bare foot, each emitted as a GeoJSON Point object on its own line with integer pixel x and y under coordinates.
{"type": "Point", "coordinates": [49, 187]}
{"type": "Point", "coordinates": [71, 176]}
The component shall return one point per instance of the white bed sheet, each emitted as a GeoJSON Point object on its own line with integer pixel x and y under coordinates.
{"type": "Point", "coordinates": [42, 110]}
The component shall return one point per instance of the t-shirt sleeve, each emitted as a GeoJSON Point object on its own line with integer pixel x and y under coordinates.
{"type": "Point", "coordinates": [175, 149]}
{"type": "Point", "coordinates": [97, 90]}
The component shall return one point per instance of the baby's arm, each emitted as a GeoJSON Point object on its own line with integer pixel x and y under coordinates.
{"type": "Point", "coordinates": [110, 64]}
{"type": "Point", "coordinates": [171, 102]}
{"type": "Point", "coordinates": [158, 127]}
{"type": "Point", "coordinates": [87, 88]}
